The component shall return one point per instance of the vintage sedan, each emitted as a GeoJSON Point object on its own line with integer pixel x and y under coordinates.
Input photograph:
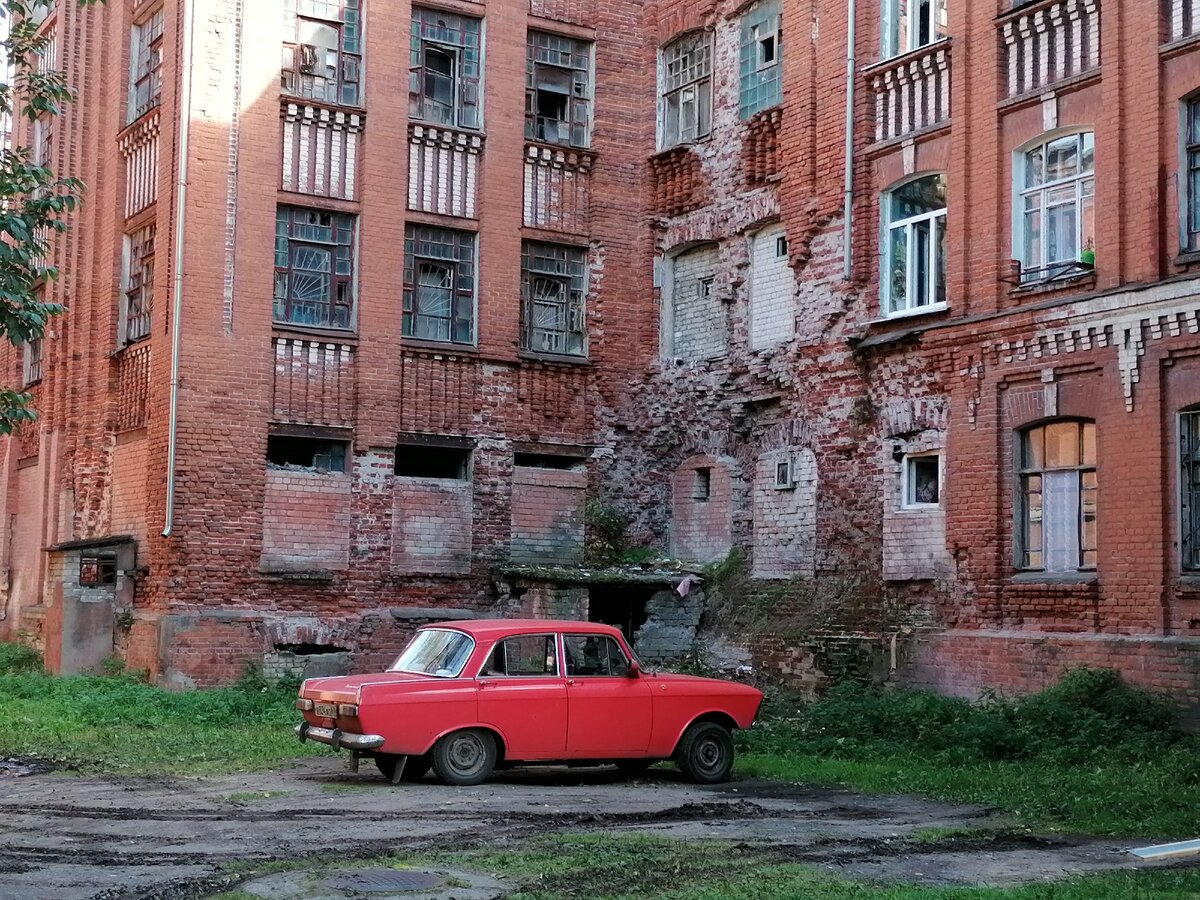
{"type": "Point", "coordinates": [466, 697]}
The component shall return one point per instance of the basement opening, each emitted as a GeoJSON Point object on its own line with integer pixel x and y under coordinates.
{"type": "Point", "coordinates": [310, 649]}
{"type": "Point", "coordinates": [620, 605]}
{"type": "Point", "coordinates": [547, 461]}
{"type": "Point", "coordinates": [417, 461]}
{"type": "Point", "coordinates": [306, 453]}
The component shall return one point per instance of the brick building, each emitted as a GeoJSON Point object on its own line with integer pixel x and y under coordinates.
{"type": "Point", "coordinates": [351, 339]}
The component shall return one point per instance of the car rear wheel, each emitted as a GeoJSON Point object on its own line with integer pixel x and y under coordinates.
{"type": "Point", "coordinates": [464, 757]}
{"type": "Point", "coordinates": [705, 753]}
{"type": "Point", "coordinates": [414, 768]}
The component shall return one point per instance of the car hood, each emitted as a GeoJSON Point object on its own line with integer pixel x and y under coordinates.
{"type": "Point", "coordinates": [706, 684]}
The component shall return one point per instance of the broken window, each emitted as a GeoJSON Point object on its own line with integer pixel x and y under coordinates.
{"type": "Point", "coordinates": [138, 290]}
{"type": "Point", "coordinates": [145, 66]}
{"type": "Point", "coordinates": [445, 69]}
{"type": "Point", "coordinates": [1056, 197]}
{"type": "Point", "coordinates": [914, 275]}
{"type": "Point", "coordinates": [910, 24]}
{"type": "Point", "coordinates": [31, 368]}
{"type": "Point", "coordinates": [97, 569]}
{"type": "Point", "coordinates": [318, 454]}
{"type": "Point", "coordinates": [1189, 489]}
{"type": "Point", "coordinates": [1057, 492]}
{"type": "Point", "coordinates": [922, 480]}
{"type": "Point", "coordinates": [761, 48]}
{"type": "Point", "coordinates": [553, 290]}
{"type": "Point", "coordinates": [558, 94]}
{"type": "Point", "coordinates": [432, 461]}
{"type": "Point", "coordinates": [685, 78]}
{"type": "Point", "coordinates": [322, 50]}
{"type": "Point", "coordinates": [314, 268]}
{"type": "Point", "coordinates": [439, 284]}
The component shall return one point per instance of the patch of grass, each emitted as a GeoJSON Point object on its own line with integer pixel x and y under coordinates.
{"type": "Point", "coordinates": [17, 659]}
{"type": "Point", "coordinates": [119, 724]}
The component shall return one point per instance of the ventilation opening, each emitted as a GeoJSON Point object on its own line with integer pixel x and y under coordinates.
{"type": "Point", "coordinates": [622, 606]}
{"type": "Point", "coordinates": [310, 649]}
{"type": "Point", "coordinates": [702, 487]}
{"type": "Point", "coordinates": [414, 461]}
{"type": "Point", "coordinates": [545, 461]}
{"type": "Point", "coordinates": [306, 453]}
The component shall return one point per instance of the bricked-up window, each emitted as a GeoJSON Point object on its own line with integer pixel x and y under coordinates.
{"type": "Point", "coordinates": [1057, 492]}
{"type": "Point", "coordinates": [314, 268]}
{"type": "Point", "coordinates": [31, 367]}
{"type": "Point", "coordinates": [1189, 489]}
{"type": "Point", "coordinates": [1057, 205]}
{"type": "Point", "coordinates": [145, 66]}
{"type": "Point", "coordinates": [322, 50]}
{"type": "Point", "coordinates": [761, 52]}
{"type": "Point", "coordinates": [317, 454]}
{"type": "Point", "coordinates": [426, 461]}
{"type": "Point", "coordinates": [138, 289]}
{"type": "Point", "coordinates": [1191, 152]}
{"type": "Point", "coordinates": [910, 24]}
{"type": "Point", "coordinates": [685, 78]}
{"type": "Point", "coordinates": [445, 69]}
{"type": "Point", "coordinates": [439, 284]}
{"type": "Point", "coordinates": [553, 292]}
{"type": "Point", "coordinates": [914, 253]}
{"type": "Point", "coordinates": [558, 90]}
{"type": "Point", "coordinates": [921, 481]}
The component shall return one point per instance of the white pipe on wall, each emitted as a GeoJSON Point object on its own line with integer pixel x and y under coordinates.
{"type": "Point", "coordinates": [848, 200]}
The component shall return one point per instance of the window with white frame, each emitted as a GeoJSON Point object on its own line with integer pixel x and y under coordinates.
{"type": "Point", "coordinates": [1056, 189]}
{"type": "Point", "coordinates": [1057, 487]}
{"type": "Point", "coordinates": [138, 290]}
{"type": "Point", "coordinates": [921, 480]}
{"type": "Point", "coordinates": [145, 66]}
{"type": "Point", "coordinates": [910, 24]}
{"type": "Point", "coordinates": [445, 69]}
{"type": "Point", "coordinates": [558, 91]}
{"type": "Point", "coordinates": [1191, 163]}
{"type": "Point", "coordinates": [914, 257]}
{"type": "Point", "coordinates": [761, 52]}
{"type": "Point", "coordinates": [1189, 489]}
{"type": "Point", "coordinates": [31, 368]}
{"type": "Point", "coordinates": [322, 50]}
{"type": "Point", "coordinates": [553, 291]}
{"type": "Point", "coordinates": [685, 78]}
{"type": "Point", "coordinates": [439, 285]}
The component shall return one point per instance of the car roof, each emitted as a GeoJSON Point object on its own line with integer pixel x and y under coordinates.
{"type": "Point", "coordinates": [493, 628]}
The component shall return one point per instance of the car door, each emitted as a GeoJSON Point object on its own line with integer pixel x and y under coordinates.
{"type": "Point", "coordinates": [522, 694]}
{"type": "Point", "coordinates": [608, 713]}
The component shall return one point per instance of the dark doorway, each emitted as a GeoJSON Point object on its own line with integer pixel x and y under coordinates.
{"type": "Point", "coordinates": [620, 605]}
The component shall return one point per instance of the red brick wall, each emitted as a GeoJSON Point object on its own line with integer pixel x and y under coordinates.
{"type": "Point", "coordinates": [431, 531]}
{"type": "Point", "coordinates": [547, 515]}
{"type": "Point", "coordinates": [306, 522]}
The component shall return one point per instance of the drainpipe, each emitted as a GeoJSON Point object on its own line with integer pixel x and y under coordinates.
{"type": "Point", "coordinates": [848, 201]}
{"type": "Point", "coordinates": [185, 117]}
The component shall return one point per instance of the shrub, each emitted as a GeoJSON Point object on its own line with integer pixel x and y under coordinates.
{"type": "Point", "coordinates": [17, 659]}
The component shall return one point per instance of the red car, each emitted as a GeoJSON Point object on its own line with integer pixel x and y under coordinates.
{"type": "Point", "coordinates": [468, 696]}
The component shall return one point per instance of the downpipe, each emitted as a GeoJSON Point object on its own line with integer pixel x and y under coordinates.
{"type": "Point", "coordinates": [848, 197]}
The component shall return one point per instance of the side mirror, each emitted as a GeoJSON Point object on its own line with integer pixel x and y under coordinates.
{"type": "Point", "coordinates": [634, 669]}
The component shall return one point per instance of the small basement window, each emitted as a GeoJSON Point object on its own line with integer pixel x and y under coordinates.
{"type": "Point", "coordinates": [420, 461]}
{"type": "Point", "coordinates": [306, 453]}
{"type": "Point", "coordinates": [547, 461]}
{"type": "Point", "coordinates": [97, 569]}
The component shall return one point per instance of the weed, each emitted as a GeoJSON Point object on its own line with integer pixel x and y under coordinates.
{"type": "Point", "coordinates": [17, 659]}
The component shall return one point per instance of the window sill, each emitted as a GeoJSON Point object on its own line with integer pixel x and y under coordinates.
{"type": "Point", "coordinates": [1187, 258]}
{"type": "Point", "coordinates": [933, 310]}
{"type": "Point", "coordinates": [1056, 579]}
{"type": "Point", "coordinates": [564, 358]}
{"type": "Point", "coordinates": [899, 59]}
{"type": "Point", "coordinates": [284, 330]}
{"type": "Point", "coordinates": [133, 124]}
{"type": "Point", "coordinates": [128, 346]}
{"type": "Point", "coordinates": [409, 343]}
{"type": "Point", "coordinates": [330, 105]}
{"type": "Point", "coordinates": [920, 508]}
{"type": "Point", "coordinates": [682, 148]}
{"type": "Point", "coordinates": [1054, 285]}
{"type": "Point", "coordinates": [1189, 582]}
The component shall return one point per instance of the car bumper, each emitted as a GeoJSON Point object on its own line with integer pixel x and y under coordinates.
{"type": "Point", "coordinates": [338, 739]}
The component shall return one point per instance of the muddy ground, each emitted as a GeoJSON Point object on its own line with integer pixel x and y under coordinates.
{"type": "Point", "coordinates": [64, 837]}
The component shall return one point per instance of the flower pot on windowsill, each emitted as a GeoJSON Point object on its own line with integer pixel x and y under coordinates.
{"type": "Point", "coordinates": [1088, 258]}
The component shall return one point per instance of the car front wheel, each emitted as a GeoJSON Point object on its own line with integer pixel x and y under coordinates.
{"type": "Point", "coordinates": [705, 753]}
{"type": "Point", "coordinates": [464, 757]}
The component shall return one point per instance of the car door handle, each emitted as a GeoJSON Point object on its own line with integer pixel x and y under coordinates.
{"type": "Point", "coordinates": [570, 681]}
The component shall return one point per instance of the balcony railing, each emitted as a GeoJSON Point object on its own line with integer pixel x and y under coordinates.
{"type": "Point", "coordinates": [912, 92]}
{"type": "Point", "coordinates": [1050, 42]}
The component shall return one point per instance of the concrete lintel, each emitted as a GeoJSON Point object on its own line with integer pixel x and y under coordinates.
{"type": "Point", "coordinates": [413, 613]}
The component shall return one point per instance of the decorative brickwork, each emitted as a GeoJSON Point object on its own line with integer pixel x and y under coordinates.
{"type": "Point", "coordinates": [760, 146]}
{"type": "Point", "coordinates": [678, 183]}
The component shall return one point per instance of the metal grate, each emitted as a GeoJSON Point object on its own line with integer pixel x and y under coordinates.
{"type": "Point", "coordinates": [385, 881]}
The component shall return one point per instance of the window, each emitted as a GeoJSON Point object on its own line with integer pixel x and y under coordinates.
{"type": "Point", "coordinates": [97, 569]}
{"type": "Point", "coordinates": [306, 453]}
{"type": "Point", "coordinates": [1057, 208]}
{"type": "Point", "coordinates": [553, 288]}
{"type": "Point", "coordinates": [314, 268]}
{"type": "Point", "coordinates": [594, 654]}
{"type": "Point", "coordinates": [914, 275]}
{"type": "Point", "coordinates": [139, 285]}
{"type": "Point", "coordinates": [781, 247]}
{"type": "Point", "coordinates": [921, 481]}
{"type": "Point", "coordinates": [1191, 150]}
{"type": "Point", "coordinates": [784, 476]}
{"type": "Point", "coordinates": [322, 50]}
{"type": "Point", "coordinates": [439, 285]}
{"type": "Point", "coordinates": [686, 80]}
{"type": "Point", "coordinates": [760, 83]}
{"type": "Point", "coordinates": [558, 96]}
{"type": "Point", "coordinates": [523, 657]}
{"type": "Point", "coordinates": [1189, 489]}
{"type": "Point", "coordinates": [444, 69]}
{"type": "Point", "coordinates": [702, 486]}
{"type": "Point", "coordinates": [31, 368]}
{"type": "Point", "coordinates": [42, 141]}
{"type": "Point", "coordinates": [909, 24]}
{"type": "Point", "coordinates": [1057, 485]}
{"type": "Point", "coordinates": [432, 461]}
{"type": "Point", "coordinates": [145, 66]}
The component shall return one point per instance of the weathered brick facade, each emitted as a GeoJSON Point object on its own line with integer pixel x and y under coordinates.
{"type": "Point", "coordinates": [342, 475]}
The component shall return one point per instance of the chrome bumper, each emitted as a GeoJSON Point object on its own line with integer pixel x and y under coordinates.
{"type": "Point", "coordinates": [338, 739]}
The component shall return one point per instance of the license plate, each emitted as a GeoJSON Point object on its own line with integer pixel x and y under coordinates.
{"type": "Point", "coordinates": [325, 710]}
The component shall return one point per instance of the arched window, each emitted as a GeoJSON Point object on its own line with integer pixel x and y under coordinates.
{"type": "Point", "coordinates": [1057, 497]}
{"type": "Point", "coordinates": [914, 270]}
{"type": "Point", "coordinates": [1055, 188]}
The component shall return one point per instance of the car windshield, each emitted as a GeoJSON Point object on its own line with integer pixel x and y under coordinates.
{"type": "Point", "coordinates": [435, 652]}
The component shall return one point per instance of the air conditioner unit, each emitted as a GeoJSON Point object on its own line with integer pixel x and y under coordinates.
{"type": "Point", "coordinates": [785, 475]}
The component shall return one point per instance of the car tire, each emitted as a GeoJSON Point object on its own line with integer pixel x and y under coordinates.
{"type": "Point", "coordinates": [415, 767]}
{"type": "Point", "coordinates": [705, 753]}
{"type": "Point", "coordinates": [465, 757]}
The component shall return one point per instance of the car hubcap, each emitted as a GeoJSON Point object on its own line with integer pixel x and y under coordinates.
{"type": "Point", "coordinates": [466, 753]}
{"type": "Point", "coordinates": [709, 755]}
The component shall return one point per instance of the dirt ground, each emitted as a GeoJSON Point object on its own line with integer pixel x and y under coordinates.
{"type": "Point", "coordinates": [64, 837]}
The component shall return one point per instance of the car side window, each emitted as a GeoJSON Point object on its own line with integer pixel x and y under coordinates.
{"type": "Point", "coordinates": [527, 655]}
{"type": "Point", "coordinates": [594, 654]}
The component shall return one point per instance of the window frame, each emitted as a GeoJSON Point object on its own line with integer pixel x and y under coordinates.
{"type": "Point", "coordinates": [1188, 507]}
{"type": "Point", "coordinates": [567, 662]}
{"type": "Point", "coordinates": [341, 284]}
{"type": "Point", "coordinates": [347, 83]}
{"type": "Point", "coordinates": [1189, 168]}
{"type": "Point", "coordinates": [137, 285]}
{"type": "Point", "coordinates": [760, 82]}
{"type": "Point", "coordinates": [1044, 268]}
{"type": "Point", "coordinates": [1021, 504]}
{"type": "Point", "coordinates": [574, 284]}
{"type": "Point", "coordinates": [700, 84]}
{"type": "Point", "coordinates": [890, 43]}
{"type": "Point", "coordinates": [467, 77]}
{"type": "Point", "coordinates": [579, 107]}
{"type": "Point", "coordinates": [550, 636]}
{"type": "Point", "coordinates": [463, 264]}
{"type": "Point", "coordinates": [907, 482]}
{"type": "Point", "coordinates": [32, 361]}
{"type": "Point", "coordinates": [938, 283]}
{"type": "Point", "coordinates": [146, 40]}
